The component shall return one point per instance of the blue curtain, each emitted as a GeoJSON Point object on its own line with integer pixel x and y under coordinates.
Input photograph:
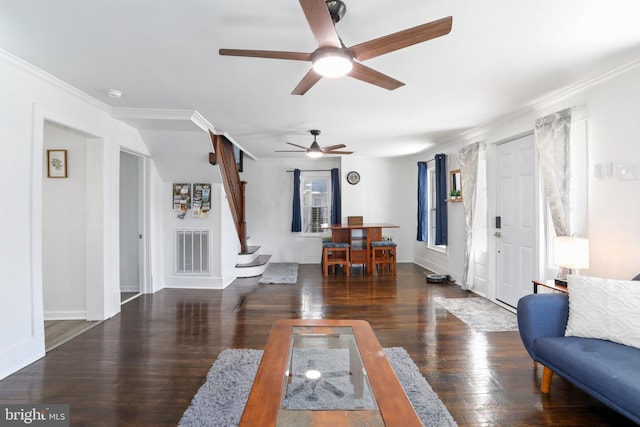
{"type": "Point", "coordinates": [422, 202]}
{"type": "Point", "coordinates": [296, 222]}
{"type": "Point", "coordinates": [441, 205]}
{"type": "Point", "coordinates": [336, 205]}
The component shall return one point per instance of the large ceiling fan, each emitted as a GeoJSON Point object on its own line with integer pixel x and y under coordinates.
{"type": "Point", "coordinates": [315, 150]}
{"type": "Point", "coordinates": [333, 59]}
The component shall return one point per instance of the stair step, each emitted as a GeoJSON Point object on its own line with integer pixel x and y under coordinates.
{"type": "Point", "coordinates": [252, 253]}
{"type": "Point", "coordinates": [250, 250]}
{"type": "Point", "coordinates": [261, 260]}
{"type": "Point", "coordinates": [253, 268]}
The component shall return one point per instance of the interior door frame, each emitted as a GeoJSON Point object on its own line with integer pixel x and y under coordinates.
{"type": "Point", "coordinates": [145, 284]}
{"type": "Point", "coordinates": [492, 190]}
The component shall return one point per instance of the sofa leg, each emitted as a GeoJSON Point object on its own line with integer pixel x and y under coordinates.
{"type": "Point", "coordinates": [546, 380]}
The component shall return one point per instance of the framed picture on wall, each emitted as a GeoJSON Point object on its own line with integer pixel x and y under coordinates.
{"type": "Point", "coordinates": [201, 200]}
{"type": "Point", "coordinates": [57, 163]}
{"type": "Point", "coordinates": [181, 197]}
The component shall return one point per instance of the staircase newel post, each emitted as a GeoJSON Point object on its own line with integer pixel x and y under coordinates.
{"type": "Point", "coordinates": [243, 223]}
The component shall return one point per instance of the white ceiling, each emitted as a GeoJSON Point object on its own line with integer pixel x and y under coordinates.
{"type": "Point", "coordinates": [500, 56]}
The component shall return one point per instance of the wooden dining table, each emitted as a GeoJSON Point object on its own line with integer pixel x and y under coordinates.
{"type": "Point", "coordinates": [359, 237]}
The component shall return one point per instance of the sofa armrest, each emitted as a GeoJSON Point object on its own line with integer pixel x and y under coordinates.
{"type": "Point", "coordinates": [542, 315]}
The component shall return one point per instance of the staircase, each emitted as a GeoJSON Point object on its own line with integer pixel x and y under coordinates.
{"type": "Point", "coordinates": [250, 262]}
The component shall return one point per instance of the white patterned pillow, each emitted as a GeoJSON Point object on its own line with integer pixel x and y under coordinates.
{"type": "Point", "coordinates": [604, 308]}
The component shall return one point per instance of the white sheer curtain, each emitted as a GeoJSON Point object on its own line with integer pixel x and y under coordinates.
{"type": "Point", "coordinates": [468, 157]}
{"type": "Point", "coordinates": [552, 134]}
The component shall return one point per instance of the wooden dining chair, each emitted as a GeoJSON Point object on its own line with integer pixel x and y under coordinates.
{"type": "Point", "coordinates": [335, 253]}
{"type": "Point", "coordinates": [383, 254]}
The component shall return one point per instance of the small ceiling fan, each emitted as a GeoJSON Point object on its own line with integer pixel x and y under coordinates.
{"type": "Point", "coordinates": [333, 59]}
{"type": "Point", "coordinates": [315, 150]}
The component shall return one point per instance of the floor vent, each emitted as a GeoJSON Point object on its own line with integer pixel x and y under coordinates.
{"type": "Point", "coordinates": [192, 252]}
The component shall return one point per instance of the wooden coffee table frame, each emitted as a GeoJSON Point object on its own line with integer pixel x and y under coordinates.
{"type": "Point", "coordinates": [265, 397]}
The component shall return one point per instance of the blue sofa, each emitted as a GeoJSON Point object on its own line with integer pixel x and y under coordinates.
{"type": "Point", "coordinates": [608, 371]}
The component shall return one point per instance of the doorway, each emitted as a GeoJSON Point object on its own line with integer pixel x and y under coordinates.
{"type": "Point", "coordinates": [67, 235]}
{"type": "Point", "coordinates": [131, 226]}
{"type": "Point", "coordinates": [515, 222]}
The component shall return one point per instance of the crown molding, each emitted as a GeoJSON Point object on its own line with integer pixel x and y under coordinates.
{"type": "Point", "coordinates": [52, 80]}
{"type": "Point", "coordinates": [569, 91]}
{"type": "Point", "coordinates": [539, 104]}
{"type": "Point", "coordinates": [143, 117]}
{"type": "Point", "coordinates": [182, 119]}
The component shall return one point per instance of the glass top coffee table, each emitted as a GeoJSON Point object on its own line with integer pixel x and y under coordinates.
{"type": "Point", "coordinates": [326, 372]}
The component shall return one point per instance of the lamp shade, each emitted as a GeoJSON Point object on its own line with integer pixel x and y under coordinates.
{"type": "Point", "coordinates": [571, 252]}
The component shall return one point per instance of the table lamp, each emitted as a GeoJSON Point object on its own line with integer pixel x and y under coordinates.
{"type": "Point", "coordinates": [570, 253]}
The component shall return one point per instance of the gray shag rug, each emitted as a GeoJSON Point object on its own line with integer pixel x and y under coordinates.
{"type": "Point", "coordinates": [481, 314]}
{"type": "Point", "coordinates": [221, 400]}
{"type": "Point", "coordinates": [280, 273]}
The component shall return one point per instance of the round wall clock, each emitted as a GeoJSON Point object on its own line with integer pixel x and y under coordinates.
{"type": "Point", "coordinates": [353, 177]}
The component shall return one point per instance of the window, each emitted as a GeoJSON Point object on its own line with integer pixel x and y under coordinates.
{"type": "Point", "coordinates": [315, 198]}
{"type": "Point", "coordinates": [431, 206]}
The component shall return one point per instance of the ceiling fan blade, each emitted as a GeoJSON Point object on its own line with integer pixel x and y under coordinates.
{"type": "Point", "coordinates": [369, 75]}
{"type": "Point", "coordinates": [296, 145]}
{"type": "Point", "coordinates": [306, 83]}
{"type": "Point", "coordinates": [333, 147]}
{"type": "Point", "coordinates": [338, 152]}
{"type": "Point", "coordinates": [291, 151]}
{"type": "Point", "coordinates": [321, 23]}
{"type": "Point", "coordinates": [273, 54]}
{"type": "Point", "coordinates": [401, 39]}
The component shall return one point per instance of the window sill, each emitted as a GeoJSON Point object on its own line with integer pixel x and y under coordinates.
{"type": "Point", "coordinates": [438, 249]}
{"type": "Point", "coordinates": [312, 235]}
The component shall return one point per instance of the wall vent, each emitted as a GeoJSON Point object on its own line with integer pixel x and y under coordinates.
{"type": "Point", "coordinates": [192, 252]}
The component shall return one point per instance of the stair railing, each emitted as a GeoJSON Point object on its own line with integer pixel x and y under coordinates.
{"type": "Point", "coordinates": [224, 157]}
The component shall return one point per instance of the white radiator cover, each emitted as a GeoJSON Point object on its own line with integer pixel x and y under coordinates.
{"type": "Point", "coordinates": [192, 252]}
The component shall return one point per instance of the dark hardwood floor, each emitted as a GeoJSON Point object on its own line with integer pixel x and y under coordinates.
{"type": "Point", "coordinates": [142, 367]}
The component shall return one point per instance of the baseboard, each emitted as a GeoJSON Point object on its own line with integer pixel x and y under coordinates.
{"type": "Point", "coordinates": [129, 288]}
{"type": "Point", "coordinates": [65, 315]}
{"type": "Point", "coordinates": [194, 282]}
{"type": "Point", "coordinates": [438, 269]}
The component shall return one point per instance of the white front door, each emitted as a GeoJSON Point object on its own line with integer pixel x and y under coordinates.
{"type": "Point", "coordinates": [516, 209]}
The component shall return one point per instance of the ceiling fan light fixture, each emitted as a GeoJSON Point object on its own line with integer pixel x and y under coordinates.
{"type": "Point", "coordinates": [332, 62]}
{"type": "Point", "coordinates": [314, 151]}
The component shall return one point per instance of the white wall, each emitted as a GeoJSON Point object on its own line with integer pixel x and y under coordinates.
{"type": "Point", "coordinates": [156, 228]}
{"type": "Point", "coordinates": [63, 228]}
{"type": "Point", "coordinates": [269, 196]}
{"type": "Point", "coordinates": [614, 204]}
{"type": "Point", "coordinates": [212, 222]}
{"type": "Point", "coordinates": [229, 243]}
{"type": "Point", "coordinates": [385, 194]}
{"type": "Point", "coordinates": [450, 262]}
{"type": "Point", "coordinates": [29, 98]}
{"type": "Point", "coordinates": [612, 107]}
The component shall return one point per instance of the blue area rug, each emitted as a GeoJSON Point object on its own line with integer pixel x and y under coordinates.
{"type": "Point", "coordinates": [280, 273]}
{"type": "Point", "coordinates": [221, 400]}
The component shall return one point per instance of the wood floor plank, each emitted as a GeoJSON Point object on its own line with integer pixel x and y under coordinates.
{"type": "Point", "coordinates": [143, 366]}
